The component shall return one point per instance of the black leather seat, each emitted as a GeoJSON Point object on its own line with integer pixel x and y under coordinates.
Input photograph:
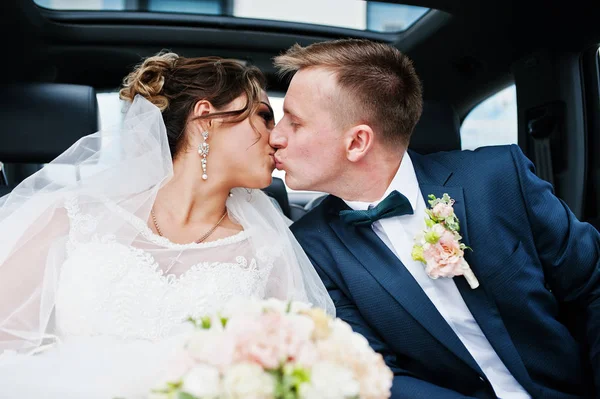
{"type": "Point", "coordinates": [437, 130]}
{"type": "Point", "coordinates": [278, 192]}
{"type": "Point", "coordinates": [4, 190]}
{"type": "Point", "coordinates": [42, 120]}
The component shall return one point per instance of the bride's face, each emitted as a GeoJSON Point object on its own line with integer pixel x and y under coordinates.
{"type": "Point", "coordinates": [246, 156]}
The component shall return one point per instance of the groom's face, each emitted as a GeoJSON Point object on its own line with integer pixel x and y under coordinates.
{"type": "Point", "coordinates": [308, 137]}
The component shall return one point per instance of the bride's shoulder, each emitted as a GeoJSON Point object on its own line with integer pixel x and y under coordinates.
{"type": "Point", "coordinates": [80, 206]}
{"type": "Point", "coordinates": [84, 212]}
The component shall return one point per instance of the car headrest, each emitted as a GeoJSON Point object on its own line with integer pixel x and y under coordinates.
{"type": "Point", "coordinates": [437, 130]}
{"type": "Point", "coordinates": [278, 192]}
{"type": "Point", "coordinates": [4, 190]}
{"type": "Point", "coordinates": [41, 120]}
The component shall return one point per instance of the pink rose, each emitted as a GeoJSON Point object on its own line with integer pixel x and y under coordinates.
{"type": "Point", "coordinates": [272, 338]}
{"type": "Point", "coordinates": [297, 339]}
{"type": "Point", "coordinates": [442, 211]}
{"type": "Point", "coordinates": [445, 258]}
{"type": "Point", "coordinates": [257, 342]}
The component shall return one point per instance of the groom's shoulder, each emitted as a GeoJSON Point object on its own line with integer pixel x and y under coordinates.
{"type": "Point", "coordinates": [316, 218]}
{"type": "Point", "coordinates": [490, 158]}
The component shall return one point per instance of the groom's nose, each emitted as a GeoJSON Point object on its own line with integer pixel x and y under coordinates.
{"type": "Point", "coordinates": [278, 139]}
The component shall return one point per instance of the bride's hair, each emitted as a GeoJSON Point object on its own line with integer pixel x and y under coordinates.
{"type": "Point", "coordinates": [175, 84]}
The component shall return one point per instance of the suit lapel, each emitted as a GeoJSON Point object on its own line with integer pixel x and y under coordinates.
{"type": "Point", "coordinates": [393, 276]}
{"type": "Point", "coordinates": [432, 180]}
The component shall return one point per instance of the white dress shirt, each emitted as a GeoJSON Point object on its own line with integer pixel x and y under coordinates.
{"type": "Point", "coordinates": [398, 234]}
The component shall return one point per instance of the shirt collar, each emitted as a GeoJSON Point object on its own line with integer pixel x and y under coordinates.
{"type": "Point", "coordinates": [405, 182]}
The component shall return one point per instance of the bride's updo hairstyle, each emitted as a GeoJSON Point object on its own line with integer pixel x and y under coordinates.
{"type": "Point", "coordinates": [175, 84]}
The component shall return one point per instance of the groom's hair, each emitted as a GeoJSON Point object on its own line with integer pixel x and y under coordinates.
{"type": "Point", "coordinates": [378, 84]}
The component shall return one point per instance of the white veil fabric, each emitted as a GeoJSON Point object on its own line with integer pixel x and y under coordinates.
{"type": "Point", "coordinates": [118, 168]}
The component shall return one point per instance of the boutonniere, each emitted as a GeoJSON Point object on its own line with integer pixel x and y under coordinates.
{"type": "Point", "coordinates": [439, 246]}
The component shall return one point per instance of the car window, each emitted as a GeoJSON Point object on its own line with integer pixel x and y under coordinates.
{"type": "Point", "coordinates": [492, 122]}
{"type": "Point", "coordinates": [357, 14]}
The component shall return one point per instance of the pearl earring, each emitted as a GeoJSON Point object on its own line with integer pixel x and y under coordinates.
{"type": "Point", "coordinates": [203, 151]}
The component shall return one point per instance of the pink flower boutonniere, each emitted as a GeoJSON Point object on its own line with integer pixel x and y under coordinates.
{"type": "Point", "coordinates": [439, 246]}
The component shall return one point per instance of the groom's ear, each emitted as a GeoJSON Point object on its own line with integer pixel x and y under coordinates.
{"type": "Point", "coordinates": [358, 141]}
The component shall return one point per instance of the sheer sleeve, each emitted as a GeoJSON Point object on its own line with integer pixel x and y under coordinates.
{"type": "Point", "coordinates": [28, 277]}
{"type": "Point", "coordinates": [127, 163]}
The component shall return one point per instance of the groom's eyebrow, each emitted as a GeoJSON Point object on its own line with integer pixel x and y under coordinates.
{"type": "Point", "coordinates": [287, 111]}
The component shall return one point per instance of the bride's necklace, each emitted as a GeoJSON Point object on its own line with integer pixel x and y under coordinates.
{"type": "Point", "coordinates": [198, 241]}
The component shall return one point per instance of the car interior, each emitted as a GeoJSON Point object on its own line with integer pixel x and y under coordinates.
{"type": "Point", "coordinates": [60, 54]}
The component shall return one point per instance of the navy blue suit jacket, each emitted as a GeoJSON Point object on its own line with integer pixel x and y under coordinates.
{"type": "Point", "coordinates": [539, 299]}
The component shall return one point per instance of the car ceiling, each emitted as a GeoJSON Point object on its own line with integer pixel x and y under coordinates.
{"type": "Point", "coordinates": [463, 52]}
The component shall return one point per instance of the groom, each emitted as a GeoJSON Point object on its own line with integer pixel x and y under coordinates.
{"type": "Point", "coordinates": [348, 115]}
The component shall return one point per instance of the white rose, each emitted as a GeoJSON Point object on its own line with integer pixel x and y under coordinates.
{"type": "Point", "coordinates": [275, 304]}
{"type": "Point", "coordinates": [340, 327]}
{"type": "Point", "coordinates": [239, 306]}
{"type": "Point", "coordinates": [330, 381]}
{"type": "Point", "coordinates": [376, 379]}
{"type": "Point", "coordinates": [352, 350]}
{"type": "Point", "coordinates": [213, 347]}
{"type": "Point", "coordinates": [248, 380]}
{"type": "Point", "coordinates": [202, 381]}
{"type": "Point", "coordinates": [342, 336]}
{"type": "Point", "coordinates": [438, 229]}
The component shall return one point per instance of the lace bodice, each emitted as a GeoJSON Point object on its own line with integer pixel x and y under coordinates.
{"type": "Point", "coordinates": [141, 285]}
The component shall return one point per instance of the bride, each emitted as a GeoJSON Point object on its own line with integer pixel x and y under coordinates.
{"type": "Point", "coordinates": [98, 277]}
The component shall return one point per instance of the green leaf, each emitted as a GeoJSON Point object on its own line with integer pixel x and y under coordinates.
{"type": "Point", "coordinates": [432, 237]}
{"type": "Point", "coordinates": [193, 321]}
{"type": "Point", "coordinates": [431, 216]}
{"type": "Point", "coordinates": [417, 253]}
{"type": "Point", "coordinates": [174, 384]}
{"type": "Point", "coordinates": [287, 381]}
{"type": "Point", "coordinates": [452, 224]}
{"type": "Point", "coordinates": [185, 395]}
{"type": "Point", "coordinates": [206, 322]}
{"type": "Point", "coordinates": [300, 376]}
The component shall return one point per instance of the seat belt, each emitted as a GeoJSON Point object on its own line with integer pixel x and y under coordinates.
{"type": "Point", "coordinates": [542, 122]}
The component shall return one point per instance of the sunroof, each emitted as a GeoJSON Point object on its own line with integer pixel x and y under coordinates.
{"type": "Point", "coordinates": [354, 14]}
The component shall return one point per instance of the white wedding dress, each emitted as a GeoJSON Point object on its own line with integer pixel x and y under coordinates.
{"type": "Point", "coordinates": [145, 290]}
{"type": "Point", "coordinates": [93, 303]}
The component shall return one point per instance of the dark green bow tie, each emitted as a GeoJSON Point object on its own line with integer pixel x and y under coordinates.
{"type": "Point", "coordinates": [394, 204]}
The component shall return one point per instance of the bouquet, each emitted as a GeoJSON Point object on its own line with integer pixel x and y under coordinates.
{"type": "Point", "coordinates": [270, 349]}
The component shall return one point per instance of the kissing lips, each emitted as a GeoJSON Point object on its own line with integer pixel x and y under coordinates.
{"type": "Point", "coordinates": [278, 163]}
